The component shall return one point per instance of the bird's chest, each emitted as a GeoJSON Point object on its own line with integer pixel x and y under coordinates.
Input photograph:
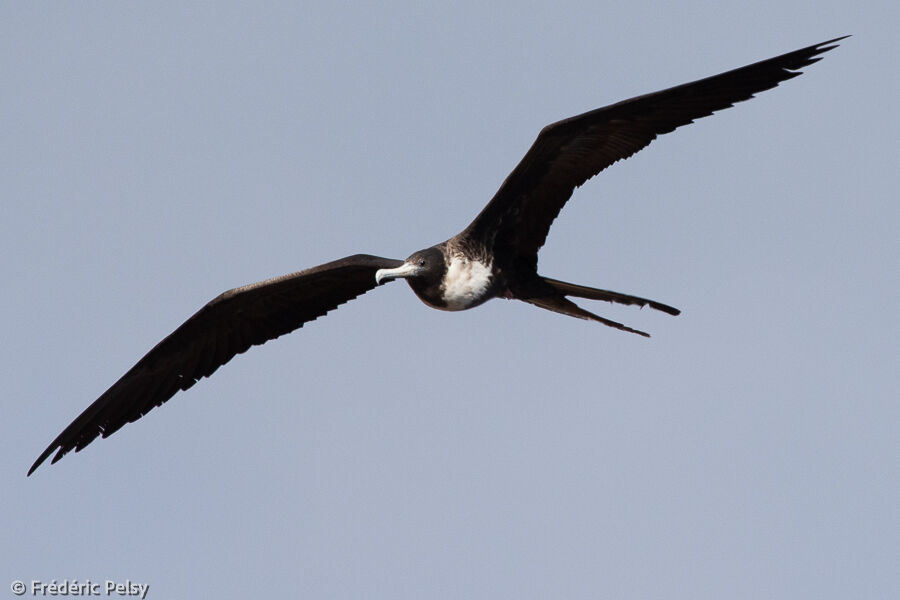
{"type": "Point", "coordinates": [466, 283]}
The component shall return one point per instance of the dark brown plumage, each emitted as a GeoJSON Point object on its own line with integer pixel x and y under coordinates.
{"type": "Point", "coordinates": [228, 325]}
{"type": "Point", "coordinates": [495, 256]}
{"type": "Point", "coordinates": [569, 152]}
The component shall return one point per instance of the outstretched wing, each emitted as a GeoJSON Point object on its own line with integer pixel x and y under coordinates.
{"type": "Point", "coordinates": [228, 325]}
{"type": "Point", "coordinates": [569, 152]}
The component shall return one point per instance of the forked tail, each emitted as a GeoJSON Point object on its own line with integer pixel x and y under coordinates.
{"type": "Point", "coordinates": [559, 303]}
{"type": "Point", "coordinates": [580, 291]}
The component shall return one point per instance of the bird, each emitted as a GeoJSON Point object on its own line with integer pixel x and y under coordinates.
{"type": "Point", "coordinates": [495, 256]}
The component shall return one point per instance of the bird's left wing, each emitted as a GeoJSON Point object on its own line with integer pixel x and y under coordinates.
{"type": "Point", "coordinates": [569, 152]}
{"type": "Point", "coordinates": [227, 325]}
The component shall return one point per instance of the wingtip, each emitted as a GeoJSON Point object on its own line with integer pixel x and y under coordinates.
{"type": "Point", "coordinates": [44, 455]}
{"type": "Point", "coordinates": [36, 464]}
{"type": "Point", "coordinates": [824, 46]}
{"type": "Point", "coordinates": [837, 39]}
{"type": "Point", "coordinates": [811, 55]}
{"type": "Point", "coordinates": [834, 42]}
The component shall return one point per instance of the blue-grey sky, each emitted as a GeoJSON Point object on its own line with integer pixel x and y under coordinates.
{"type": "Point", "coordinates": [155, 154]}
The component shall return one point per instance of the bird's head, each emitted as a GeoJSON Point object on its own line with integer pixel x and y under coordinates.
{"type": "Point", "coordinates": [425, 264]}
{"type": "Point", "coordinates": [424, 272]}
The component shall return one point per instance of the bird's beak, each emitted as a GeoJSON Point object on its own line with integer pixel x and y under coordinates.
{"type": "Point", "coordinates": [404, 270]}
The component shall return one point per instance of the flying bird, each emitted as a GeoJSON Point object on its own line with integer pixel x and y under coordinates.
{"type": "Point", "coordinates": [494, 257]}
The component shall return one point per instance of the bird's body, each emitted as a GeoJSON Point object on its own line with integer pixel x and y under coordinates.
{"type": "Point", "coordinates": [495, 256]}
{"type": "Point", "coordinates": [456, 279]}
{"type": "Point", "coordinates": [467, 283]}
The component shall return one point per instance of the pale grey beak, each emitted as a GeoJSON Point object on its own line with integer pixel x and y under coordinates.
{"type": "Point", "coordinates": [404, 270]}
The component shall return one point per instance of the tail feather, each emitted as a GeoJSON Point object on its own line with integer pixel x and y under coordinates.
{"type": "Point", "coordinates": [580, 291]}
{"type": "Point", "coordinates": [550, 294]}
{"type": "Point", "coordinates": [565, 306]}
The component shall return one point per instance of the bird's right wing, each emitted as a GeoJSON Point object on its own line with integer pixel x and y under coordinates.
{"type": "Point", "coordinates": [227, 325]}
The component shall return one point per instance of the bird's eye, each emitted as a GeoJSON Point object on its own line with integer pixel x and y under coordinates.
{"type": "Point", "coordinates": [421, 262]}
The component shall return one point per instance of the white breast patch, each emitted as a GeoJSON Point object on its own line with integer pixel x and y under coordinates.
{"type": "Point", "coordinates": [466, 283]}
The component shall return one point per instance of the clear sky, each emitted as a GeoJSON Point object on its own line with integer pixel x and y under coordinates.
{"type": "Point", "coordinates": [153, 155]}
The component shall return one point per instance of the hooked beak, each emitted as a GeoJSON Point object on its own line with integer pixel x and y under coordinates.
{"type": "Point", "coordinates": [404, 270]}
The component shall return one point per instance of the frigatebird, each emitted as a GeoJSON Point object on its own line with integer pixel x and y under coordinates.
{"type": "Point", "coordinates": [495, 256]}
